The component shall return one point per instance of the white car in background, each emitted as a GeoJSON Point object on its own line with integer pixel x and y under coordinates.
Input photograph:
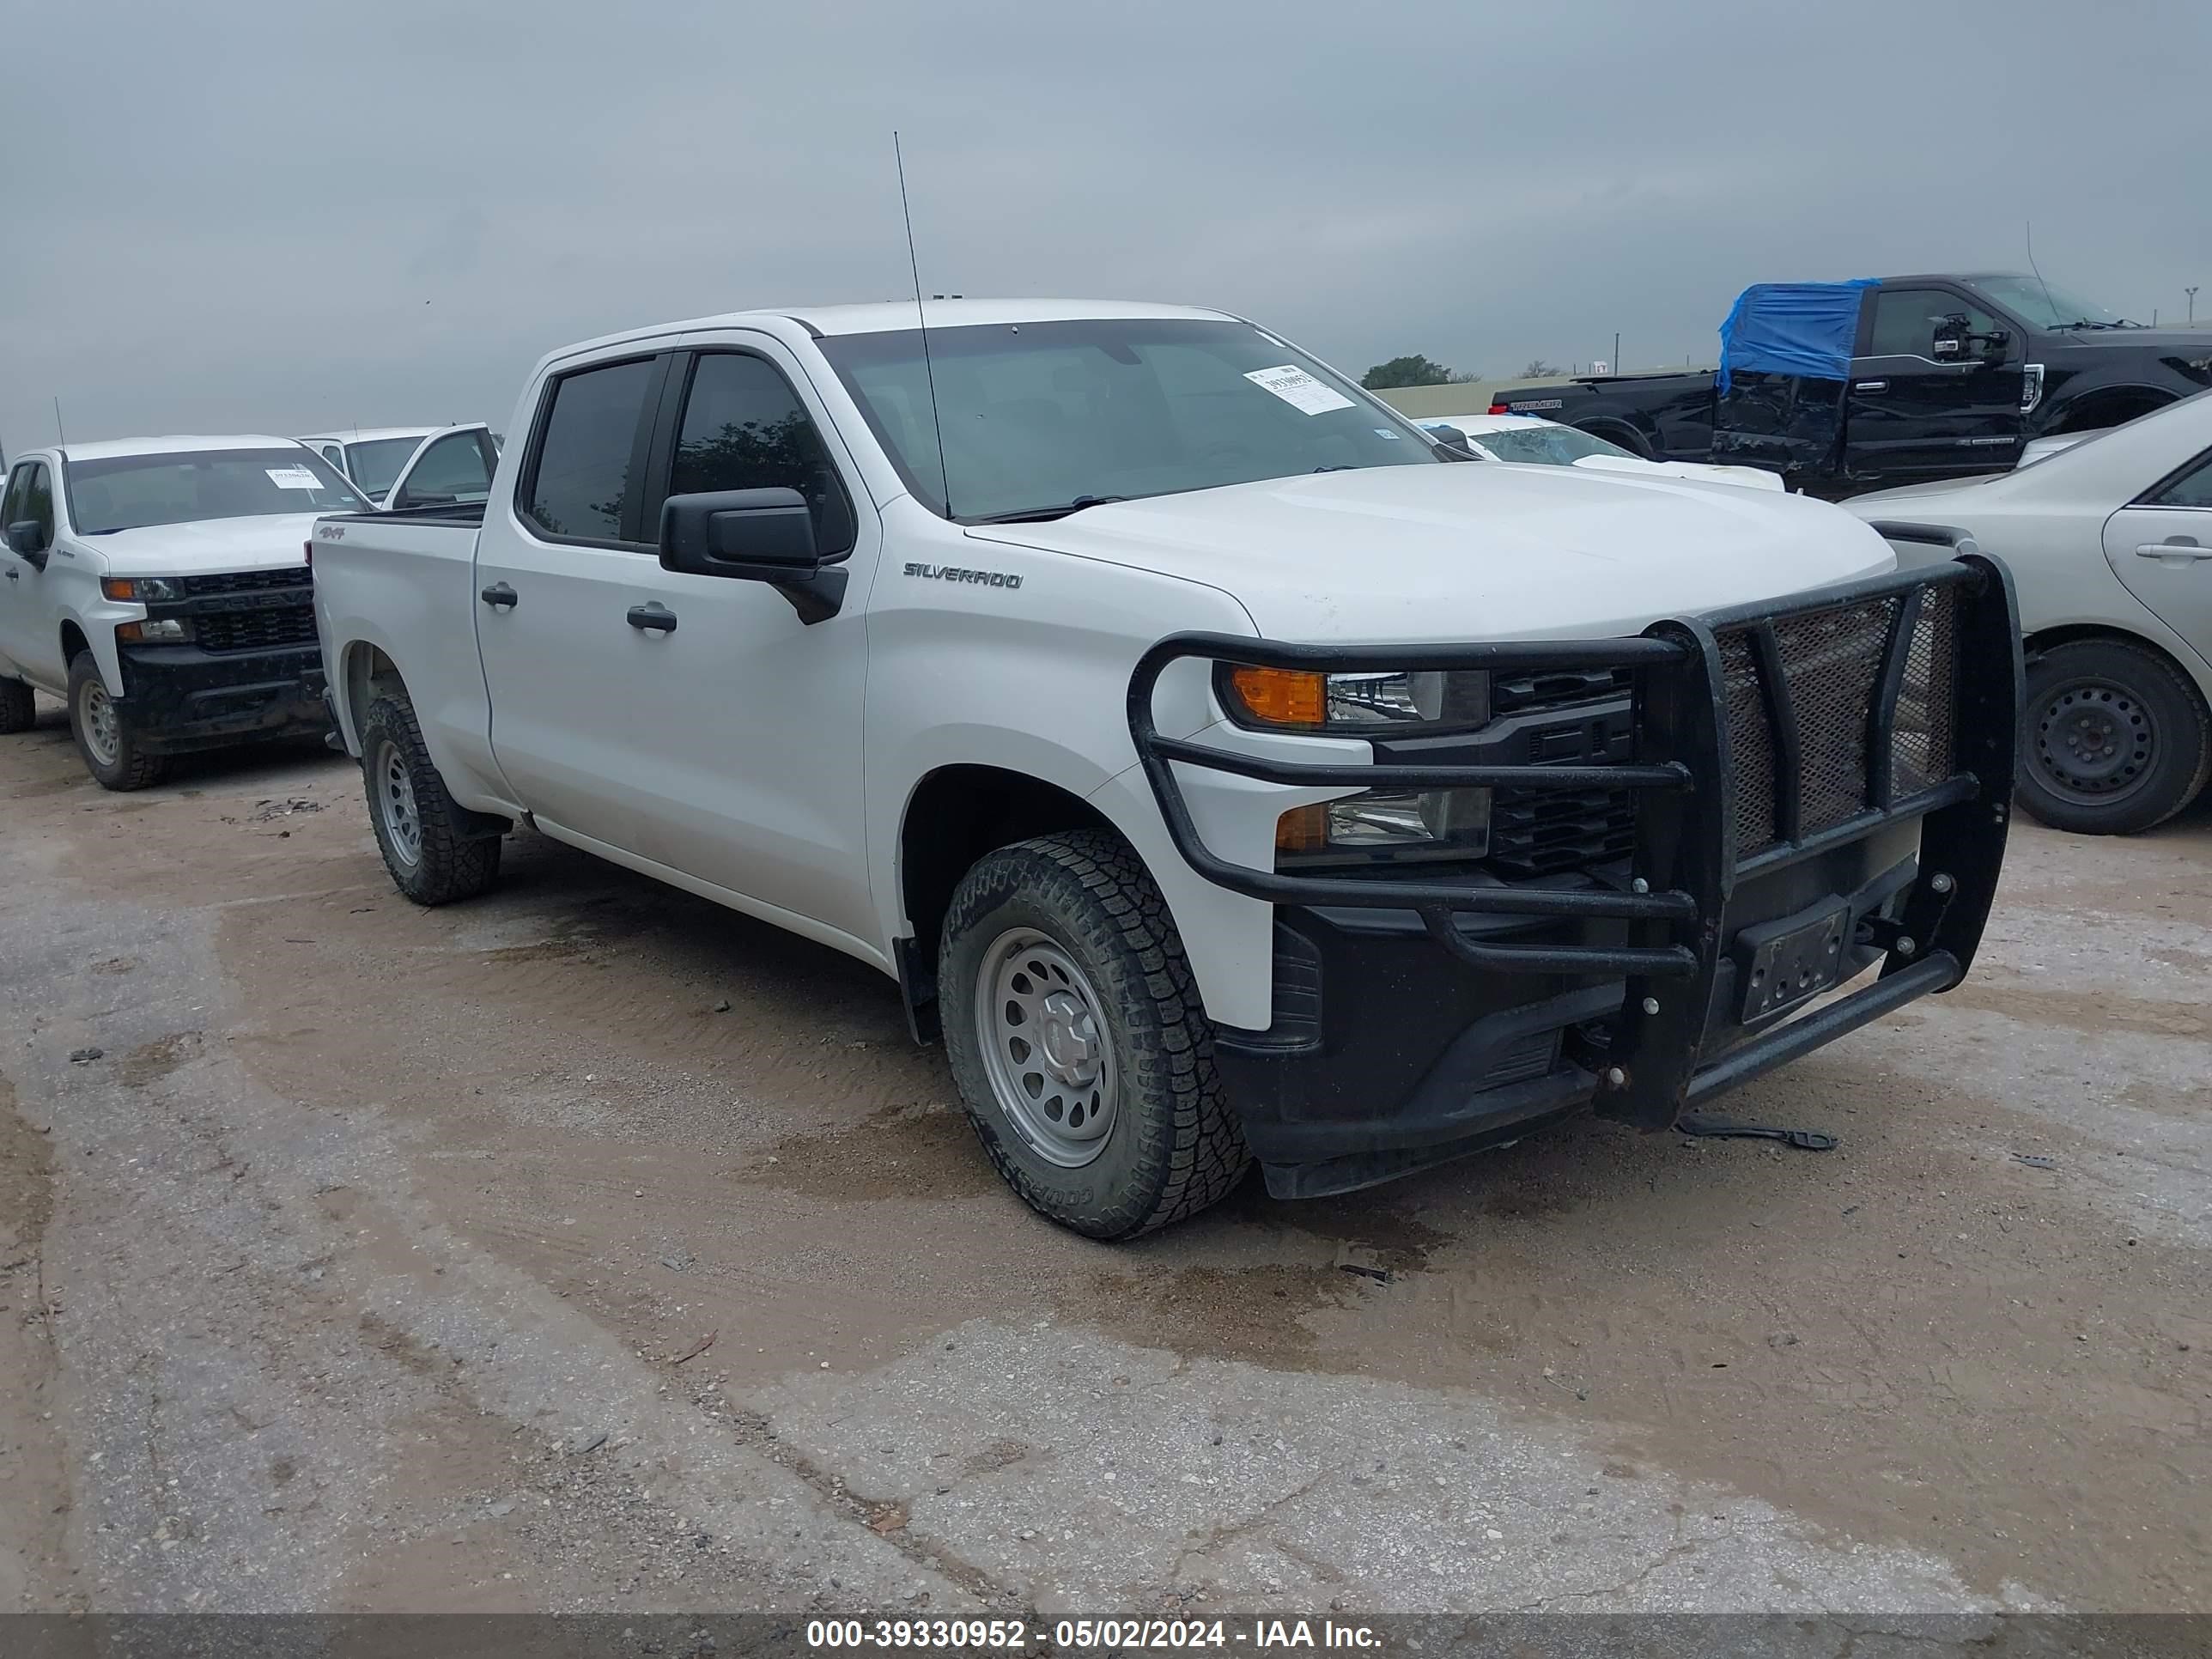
{"type": "Point", "coordinates": [2109, 542]}
{"type": "Point", "coordinates": [400, 466]}
{"type": "Point", "coordinates": [1529, 439]}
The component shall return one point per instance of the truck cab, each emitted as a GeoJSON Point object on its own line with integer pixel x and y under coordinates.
{"type": "Point", "coordinates": [1223, 771]}
{"type": "Point", "coordinates": [160, 586]}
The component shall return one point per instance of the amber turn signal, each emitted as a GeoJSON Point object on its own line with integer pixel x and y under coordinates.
{"type": "Point", "coordinates": [1280, 697]}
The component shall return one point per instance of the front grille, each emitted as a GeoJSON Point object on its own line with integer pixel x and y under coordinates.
{"type": "Point", "coordinates": [248, 581]}
{"type": "Point", "coordinates": [256, 630]}
{"type": "Point", "coordinates": [1831, 662]}
{"type": "Point", "coordinates": [1537, 832]}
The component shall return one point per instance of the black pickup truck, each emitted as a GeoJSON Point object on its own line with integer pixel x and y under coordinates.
{"type": "Point", "coordinates": [1844, 387]}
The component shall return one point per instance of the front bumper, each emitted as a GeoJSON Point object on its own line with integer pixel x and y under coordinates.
{"type": "Point", "coordinates": [177, 697]}
{"type": "Point", "coordinates": [1793, 792]}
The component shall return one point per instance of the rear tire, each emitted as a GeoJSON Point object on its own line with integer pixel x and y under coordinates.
{"type": "Point", "coordinates": [429, 861]}
{"type": "Point", "coordinates": [19, 711]}
{"type": "Point", "coordinates": [2114, 740]}
{"type": "Point", "coordinates": [105, 740]}
{"type": "Point", "coordinates": [1077, 1040]}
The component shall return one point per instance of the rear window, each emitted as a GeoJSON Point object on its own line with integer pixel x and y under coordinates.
{"type": "Point", "coordinates": [128, 492]}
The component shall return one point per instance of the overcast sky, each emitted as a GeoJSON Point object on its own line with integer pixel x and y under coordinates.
{"type": "Point", "coordinates": [230, 214]}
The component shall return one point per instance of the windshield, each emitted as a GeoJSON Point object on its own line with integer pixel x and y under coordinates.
{"type": "Point", "coordinates": [1544, 443]}
{"type": "Point", "coordinates": [2044, 305]}
{"type": "Point", "coordinates": [128, 492]}
{"type": "Point", "coordinates": [375, 463]}
{"type": "Point", "coordinates": [1040, 417]}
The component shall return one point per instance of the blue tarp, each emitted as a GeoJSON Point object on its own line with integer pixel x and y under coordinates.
{"type": "Point", "coordinates": [1793, 328]}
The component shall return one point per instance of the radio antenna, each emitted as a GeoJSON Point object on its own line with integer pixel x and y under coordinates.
{"type": "Point", "coordinates": [2049, 304]}
{"type": "Point", "coordinates": [921, 316]}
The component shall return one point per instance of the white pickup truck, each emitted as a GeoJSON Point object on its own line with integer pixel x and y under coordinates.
{"type": "Point", "coordinates": [1225, 773]}
{"type": "Point", "coordinates": [160, 586]}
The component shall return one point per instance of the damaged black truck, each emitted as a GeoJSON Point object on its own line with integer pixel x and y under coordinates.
{"type": "Point", "coordinates": [1843, 387]}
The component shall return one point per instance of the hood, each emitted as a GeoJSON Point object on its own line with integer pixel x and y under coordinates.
{"type": "Point", "coordinates": [205, 545]}
{"type": "Point", "coordinates": [1749, 478]}
{"type": "Point", "coordinates": [1469, 552]}
{"type": "Point", "coordinates": [2193, 344]}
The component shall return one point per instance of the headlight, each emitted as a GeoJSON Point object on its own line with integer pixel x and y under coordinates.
{"type": "Point", "coordinates": [163, 630]}
{"type": "Point", "coordinates": [1386, 826]}
{"type": "Point", "coordinates": [143, 589]}
{"type": "Point", "coordinates": [1380, 826]}
{"type": "Point", "coordinates": [1354, 705]}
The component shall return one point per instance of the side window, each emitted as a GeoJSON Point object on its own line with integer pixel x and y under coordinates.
{"type": "Point", "coordinates": [336, 457]}
{"type": "Point", "coordinates": [11, 503]}
{"type": "Point", "coordinates": [580, 480]}
{"type": "Point", "coordinates": [743, 427]}
{"type": "Point", "coordinates": [1906, 321]}
{"type": "Point", "coordinates": [37, 504]}
{"type": "Point", "coordinates": [452, 470]}
{"type": "Point", "coordinates": [2192, 489]}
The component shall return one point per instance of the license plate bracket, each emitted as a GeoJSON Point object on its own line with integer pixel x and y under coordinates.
{"type": "Point", "coordinates": [1787, 962]}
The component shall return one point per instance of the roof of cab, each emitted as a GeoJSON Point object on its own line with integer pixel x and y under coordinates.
{"type": "Point", "coordinates": [367, 434]}
{"type": "Point", "coordinates": [173, 446]}
{"type": "Point", "coordinates": [888, 314]}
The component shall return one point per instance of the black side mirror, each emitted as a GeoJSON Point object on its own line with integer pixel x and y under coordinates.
{"type": "Point", "coordinates": [753, 535]}
{"type": "Point", "coordinates": [1453, 441]}
{"type": "Point", "coordinates": [26, 540]}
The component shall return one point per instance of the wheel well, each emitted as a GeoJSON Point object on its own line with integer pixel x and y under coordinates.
{"type": "Point", "coordinates": [73, 641]}
{"type": "Point", "coordinates": [2094, 410]}
{"type": "Point", "coordinates": [2074, 633]}
{"type": "Point", "coordinates": [956, 816]}
{"type": "Point", "coordinates": [369, 674]}
{"type": "Point", "coordinates": [1619, 433]}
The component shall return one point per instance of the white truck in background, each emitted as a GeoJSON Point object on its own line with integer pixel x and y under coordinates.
{"type": "Point", "coordinates": [1222, 771]}
{"type": "Point", "coordinates": [160, 588]}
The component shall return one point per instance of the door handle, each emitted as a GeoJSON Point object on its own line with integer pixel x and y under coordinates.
{"type": "Point", "coordinates": [655, 617]}
{"type": "Point", "coordinates": [13, 575]}
{"type": "Point", "coordinates": [499, 596]}
{"type": "Point", "coordinates": [2182, 550]}
{"type": "Point", "coordinates": [1871, 385]}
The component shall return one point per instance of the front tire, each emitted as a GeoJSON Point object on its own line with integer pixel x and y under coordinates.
{"type": "Point", "coordinates": [2114, 740]}
{"type": "Point", "coordinates": [1077, 1040]}
{"type": "Point", "coordinates": [429, 861]}
{"type": "Point", "coordinates": [105, 741]}
{"type": "Point", "coordinates": [19, 710]}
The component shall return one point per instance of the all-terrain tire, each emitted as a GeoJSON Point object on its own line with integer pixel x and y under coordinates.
{"type": "Point", "coordinates": [19, 711]}
{"type": "Point", "coordinates": [105, 741]}
{"type": "Point", "coordinates": [1172, 1146]}
{"type": "Point", "coordinates": [430, 861]}
{"type": "Point", "coordinates": [2114, 740]}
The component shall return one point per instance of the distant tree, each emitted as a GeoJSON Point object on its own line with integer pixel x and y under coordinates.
{"type": "Point", "coordinates": [1415, 370]}
{"type": "Point", "coordinates": [1538, 368]}
{"type": "Point", "coordinates": [1467, 379]}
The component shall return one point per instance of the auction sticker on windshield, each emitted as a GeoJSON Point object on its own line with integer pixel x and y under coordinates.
{"type": "Point", "coordinates": [1298, 389]}
{"type": "Point", "coordinates": [293, 477]}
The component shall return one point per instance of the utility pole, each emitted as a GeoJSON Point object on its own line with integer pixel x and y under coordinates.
{"type": "Point", "coordinates": [2191, 292]}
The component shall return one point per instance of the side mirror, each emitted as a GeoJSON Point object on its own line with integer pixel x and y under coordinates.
{"type": "Point", "coordinates": [26, 540]}
{"type": "Point", "coordinates": [1452, 441]}
{"type": "Point", "coordinates": [753, 535]}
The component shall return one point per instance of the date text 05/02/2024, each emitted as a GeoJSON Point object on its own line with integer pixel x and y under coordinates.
{"type": "Point", "coordinates": [1082, 1635]}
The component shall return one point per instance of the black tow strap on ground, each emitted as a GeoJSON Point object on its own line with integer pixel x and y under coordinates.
{"type": "Point", "coordinates": [1725, 1128]}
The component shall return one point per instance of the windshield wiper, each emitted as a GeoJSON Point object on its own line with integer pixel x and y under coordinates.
{"type": "Point", "coordinates": [1045, 514]}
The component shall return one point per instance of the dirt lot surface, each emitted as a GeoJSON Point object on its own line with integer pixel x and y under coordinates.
{"type": "Point", "coordinates": [350, 1253]}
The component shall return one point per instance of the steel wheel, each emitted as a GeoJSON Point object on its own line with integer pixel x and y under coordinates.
{"type": "Point", "coordinates": [395, 803]}
{"type": "Point", "coordinates": [1044, 1047]}
{"type": "Point", "coordinates": [2093, 740]}
{"type": "Point", "coordinates": [97, 718]}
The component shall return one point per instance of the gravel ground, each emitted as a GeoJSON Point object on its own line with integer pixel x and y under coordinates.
{"type": "Point", "coordinates": [359, 1257]}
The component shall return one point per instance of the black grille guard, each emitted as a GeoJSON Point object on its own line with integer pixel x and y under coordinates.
{"type": "Point", "coordinates": [1686, 862]}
